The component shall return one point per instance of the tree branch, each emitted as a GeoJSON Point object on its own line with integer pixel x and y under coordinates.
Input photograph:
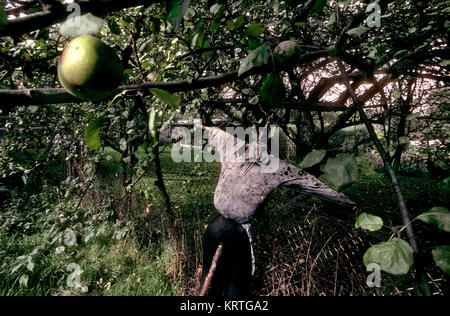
{"type": "Point", "coordinates": [57, 13]}
{"type": "Point", "coordinates": [12, 98]}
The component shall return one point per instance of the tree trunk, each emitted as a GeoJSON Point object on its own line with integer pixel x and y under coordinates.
{"type": "Point", "coordinates": [162, 189]}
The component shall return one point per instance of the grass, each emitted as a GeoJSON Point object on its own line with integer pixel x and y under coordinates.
{"type": "Point", "coordinates": [122, 268]}
{"type": "Point", "coordinates": [141, 262]}
{"type": "Point", "coordinates": [108, 267]}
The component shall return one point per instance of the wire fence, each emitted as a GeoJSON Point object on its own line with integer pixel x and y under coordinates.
{"type": "Point", "coordinates": [303, 246]}
{"type": "Point", "coordinates": [315, 254]}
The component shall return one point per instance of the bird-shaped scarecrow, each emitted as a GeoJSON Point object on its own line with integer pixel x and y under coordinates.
{"type": "Point", "coordinates": [248, 175]}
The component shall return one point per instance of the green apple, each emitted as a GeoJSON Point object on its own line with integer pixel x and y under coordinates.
{"type": "Point", "coordinates": [89, 69]}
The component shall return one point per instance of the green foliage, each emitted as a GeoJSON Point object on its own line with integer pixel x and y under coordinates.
{"type": "Point", "coordinates": [441, 256]}
{"type": "Point", "coordinates": [313, 158]}
{"type": "Point", "coordinates": [217, 9]}
{"type": "Point", "coordinates": [394, 256]}
{"type": "Point", "coordinates": [369, 222]}
{"type": "Point", "coordinates": [87, 24]}
{"type": "Point", "coordinates": [255, 58]}
{"type": "Point", "coordinates": [236, 23]}
{"type": "Point", "coordinates": [153, 121]}
{"type": "Point", "coordinates": [172, 100]}
{"type": "Point", "coordinates": [255, 30]}
{"type": "Point", "coordinates": [92, 134]}
{"type": "Point", "coordinates": [341, 171]}
{"type": "Point", "coordinates": [176, 9]}
{"type": "Point", "coordinates": [438, 216]}
{"type": "Point", "coordinates": [113, 27]}
{"type": "Point", "coordinates": [318, 6]}
{"type": "Point", "coordinates": [357, 31]}
{"type": "Point", "coordinates": [273, 90]}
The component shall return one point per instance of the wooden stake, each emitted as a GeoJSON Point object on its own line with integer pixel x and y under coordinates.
{"type": "Point", "coordinates": [212, 270]}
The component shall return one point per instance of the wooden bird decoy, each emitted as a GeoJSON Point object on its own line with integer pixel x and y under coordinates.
{"type": "Point", "coordinates": [245, 183]}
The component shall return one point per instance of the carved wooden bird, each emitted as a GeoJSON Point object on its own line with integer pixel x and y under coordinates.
{"type": "Point", "coordinates": [245, 183]}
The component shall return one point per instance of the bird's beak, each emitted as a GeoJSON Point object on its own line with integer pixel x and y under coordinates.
{"type": "Point", "coordinates": [312, 186]}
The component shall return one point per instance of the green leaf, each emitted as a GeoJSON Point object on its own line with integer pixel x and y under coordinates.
{"type": "Point", "coordinates": [176, 9]}
{"type": "Point", "coordinates": [318, 6]}
{"type": "Point", "coordinates": [395, 256]}
{"type": "Point", "coordinates": [172, 100]}
{"type": "Point", "coordinates": [403, 140]}
{"type": "Point", "coordinates": [445, 62]}
{"type": "Point", "coordinates": [332, 21]}
{"type": "Point", "coordinates": [198, 40]}
{"type": "Point", "coordinates": [313, 158]}
{"type": "Point", "coordinates": [92, 134]}
{"type": "Point", "coordinates": [369, 222]}
{"type": "Point", "coordinates": [214, 27]}
{"type": "Point", "coordinates": [255, 58]}
{"type": "Point", "coordinates": [145, 45]}
{"type": "Point", "coordinates": [190, 13]}
{"type": "Point", "coordinates": [255, 30]}
{"type": "Point", "coordinates": [357, 31]}
{"type": "Point", "coordinates": [441, 256]}
{"type": "Point", "coordinates": [217, 9]}
{"type": "Point", "coordinates": [254, 100]}
{"type": "Point", "coordinates": [236, 23]}
{"type": "Point", "coordinates": [254, 43]}
{"type": "Point", "coordinates": [438, 216]}
{"type": "Point", "coordinates": [273, 90]}
{"type": "Point", "coordinates": [401, 53]}
{"type": "Point", "coordinates": [87, 24]}
{"type": "Point", "coordinates": [341, 171]}
{"type": "Point", "coordinates": [153, 121]}
{"type": "Point", "coordinates": [113, 27]}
